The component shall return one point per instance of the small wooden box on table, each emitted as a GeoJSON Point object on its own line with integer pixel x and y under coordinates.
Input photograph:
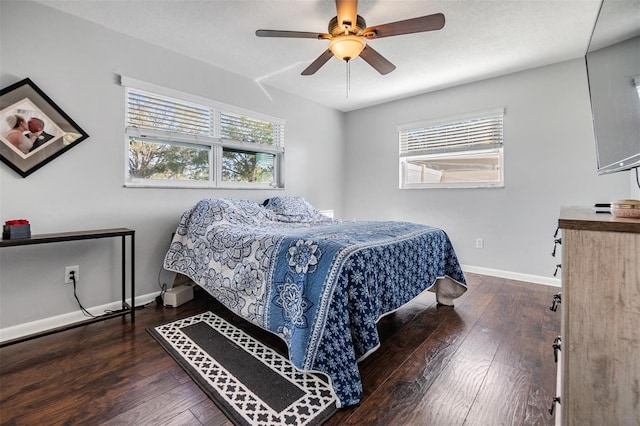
{"type": "Point", "coordinates": [86, 235]}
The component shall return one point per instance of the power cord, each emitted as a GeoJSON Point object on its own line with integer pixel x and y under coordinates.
{"type": "Point", "coordinates": [75, 294]}
{"type": "Point", "coordinates": [163, 289]}
{"type": "Point", "coordinates": [107, 312]}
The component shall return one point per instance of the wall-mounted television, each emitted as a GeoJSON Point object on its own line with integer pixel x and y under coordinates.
{"type": "Point", "coordinates": [613, 72]}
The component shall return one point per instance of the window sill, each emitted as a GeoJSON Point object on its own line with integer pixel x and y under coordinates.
{"type": "Point", "coordinates": [452, 185]}
{"type": "Point", "coordinates": [197, 186]}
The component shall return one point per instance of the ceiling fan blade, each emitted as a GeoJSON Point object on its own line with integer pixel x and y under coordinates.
{"type": "Point", "coordinates": [291, 34]}
{"type": "Point", "coordinates": [376, 60]}
{"type": "Point", "coordinates": [318, 63]}
{"type": "Point", "coordinates": [408, 26]}
{"type": "Point", "coordinates": [347, 12]}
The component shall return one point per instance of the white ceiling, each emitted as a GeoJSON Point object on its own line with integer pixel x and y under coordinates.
{"type": "Point", "coordinates": [480, 39]}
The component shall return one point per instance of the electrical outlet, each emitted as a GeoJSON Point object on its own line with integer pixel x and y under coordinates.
{"type": "Point", "coordinates": [479, 243]}
{"type": "Point", "coordinates": [67, 274]}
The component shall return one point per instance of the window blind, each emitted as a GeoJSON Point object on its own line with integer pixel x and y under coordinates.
{"type": "Point", "coordinates": [151, 111]}
{"type": "Point", "coordinates": [478, 131]}
{"type": "Point", "coordinates": [241, 128]}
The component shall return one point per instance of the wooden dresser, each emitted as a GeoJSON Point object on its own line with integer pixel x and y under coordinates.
{"type": "Point", "coordinates": [599, 366]}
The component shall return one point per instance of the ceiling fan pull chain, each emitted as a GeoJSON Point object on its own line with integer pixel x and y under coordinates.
{"type": "Point", "coordinates": [348, 77]}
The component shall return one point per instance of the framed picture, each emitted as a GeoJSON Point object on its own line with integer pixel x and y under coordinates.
{"type": "Point", "coordinates": [33, 129]}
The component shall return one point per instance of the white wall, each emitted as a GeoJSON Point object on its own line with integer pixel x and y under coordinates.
{"type": "Point", "coordinates": [549, 162]}
{"type": "Point", "coordinates": [635, 186]}
{"type": "Point", "coordinates": [75, 63]}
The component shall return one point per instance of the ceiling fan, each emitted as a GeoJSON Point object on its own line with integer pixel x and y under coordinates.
{"type": "Point", "coordinates": [348, 35]}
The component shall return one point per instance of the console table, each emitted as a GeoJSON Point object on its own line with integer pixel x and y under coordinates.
{"type": "Point", "coordinates": [85, 235]}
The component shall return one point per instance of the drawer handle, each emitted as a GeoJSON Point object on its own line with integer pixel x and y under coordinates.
{"type": "Point", "coordinates": [558, 266]}
{"type": "Point", "coordinates": [557, 346]}
{"type": "Point", "coordinates": [553, 404]}
{"type": "Point", "coordinates": [557, 299]}
{"type": "Point", "coordinates": [555, 246]}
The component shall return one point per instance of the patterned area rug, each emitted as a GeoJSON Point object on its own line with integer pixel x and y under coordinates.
{"type": "Point", "coordinates": [250, 382]}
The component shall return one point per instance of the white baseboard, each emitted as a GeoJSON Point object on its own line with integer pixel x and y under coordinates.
{"type": "Point", "coordinates": [536, 279]}
{"type": "Point", "coordinates": [38, 326]}
{"type": "Point", "coordinates": [33, 327]}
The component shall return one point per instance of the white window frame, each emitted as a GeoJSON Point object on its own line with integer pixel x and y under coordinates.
{"type": "Point", "coordinates": [452, 148]}
{"type": "Point", "coordinates": [215, 143]}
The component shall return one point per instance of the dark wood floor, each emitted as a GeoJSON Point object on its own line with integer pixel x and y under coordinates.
{"type": "Point", "coordinates": [488, 361]}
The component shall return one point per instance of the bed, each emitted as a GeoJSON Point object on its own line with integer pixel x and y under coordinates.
{"type": "Point", "coordinates": [320, 284]}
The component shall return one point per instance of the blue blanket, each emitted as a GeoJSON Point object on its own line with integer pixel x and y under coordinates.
{"type": "Point", "coordinates": [320, 284]}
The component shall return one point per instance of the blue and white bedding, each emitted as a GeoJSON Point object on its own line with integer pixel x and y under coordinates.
{"type": "Point", "coordinates": [318, 283]}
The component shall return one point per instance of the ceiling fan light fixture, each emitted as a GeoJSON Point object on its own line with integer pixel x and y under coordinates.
{"type": "Point", "coordinates": [347, 47]}
{"type": "Point", "coordinates": [348, 34]}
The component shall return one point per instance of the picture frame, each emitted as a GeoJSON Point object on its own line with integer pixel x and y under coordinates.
{"type": "Point", "coordinates": [33, 129]}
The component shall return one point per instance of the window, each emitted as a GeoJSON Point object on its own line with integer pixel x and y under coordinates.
{"type": "Point", "coordinates": [178, 140]}
{"type": "Point", "coordinates": [458, 152]}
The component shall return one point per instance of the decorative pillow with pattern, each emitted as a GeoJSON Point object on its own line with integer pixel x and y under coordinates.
{"type": "Point", "coordinates": [232, 211]}
{"type": "Point", "coordinates": [290, 208]}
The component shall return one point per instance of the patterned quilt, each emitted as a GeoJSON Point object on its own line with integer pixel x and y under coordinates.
{"type": "Point", "coordinates": [320, 284]}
